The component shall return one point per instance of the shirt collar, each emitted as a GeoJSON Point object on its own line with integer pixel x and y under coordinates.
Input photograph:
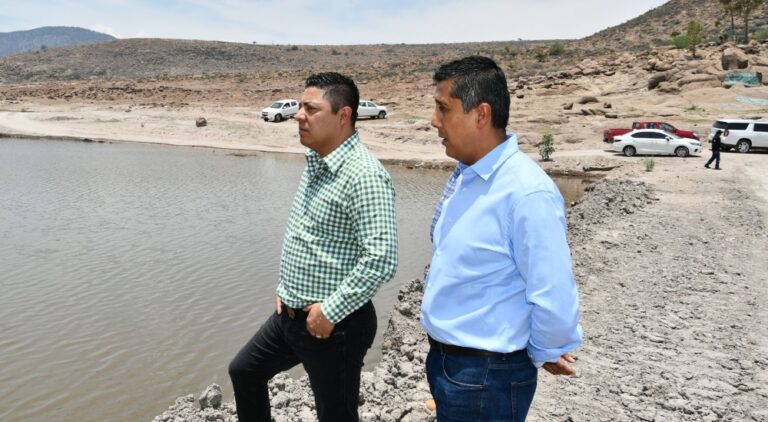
{"type": "Point", "coordinates": [336, 158]}
{"type": "Point", "coordinates": [486, 166]}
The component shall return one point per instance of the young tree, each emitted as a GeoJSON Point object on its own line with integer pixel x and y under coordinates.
{"type": "Point", "coordinates": [547, 146]}
{"type": "Point", "coordinates": [695, 35]}
{"type": "Point", "coordinates": [731, 8]}
{"type": "Point", "coordinates": [746, 8]}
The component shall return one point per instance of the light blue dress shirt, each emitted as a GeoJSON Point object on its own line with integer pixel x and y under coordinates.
{"type": "Point", "coordinates": [501, 277]}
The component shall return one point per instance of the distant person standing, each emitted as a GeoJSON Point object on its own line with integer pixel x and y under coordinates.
{"type": "Point", "coordinates": [340, 245]}
{"type": "Point", "coordinates": [500, 298]}
{"type": "Point", "coordinates": [715, 151]}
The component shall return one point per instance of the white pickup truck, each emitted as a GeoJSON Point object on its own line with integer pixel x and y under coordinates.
{"type": "Point", "coordinates": [370, 109]}
{"type": "Point", "coordinates": [280, 110]}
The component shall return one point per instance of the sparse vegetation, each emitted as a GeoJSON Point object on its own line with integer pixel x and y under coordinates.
{"type": "Point", "coordinates": [694, 35]}
{"type": "Point", "coordinates": [556, 49]}
{"type": "Point", "coordinates": [743, 9]}
{"type": "Point", "coordinates": [680, 42]}
{"type": "Point", "coordinates": [547, 147]}
{"type": "Point", "coordinates": [650, 163]}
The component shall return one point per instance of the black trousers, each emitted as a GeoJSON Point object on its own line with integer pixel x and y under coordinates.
{"type": "Point", "coordinates": [715, 156]}
{"type": "Point", "coordinates": [333, 364]}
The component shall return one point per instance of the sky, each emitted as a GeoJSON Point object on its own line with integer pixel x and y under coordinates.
{"type": "Point", "coordinates": [328, 22]}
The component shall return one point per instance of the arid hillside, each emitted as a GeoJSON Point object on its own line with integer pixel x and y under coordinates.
{"type": "Point", "coordinates": [153, 58]}
{"type": "Point", "coordinates": [168, 59]}
{"type": "Point", "coordinates": [657, 26]}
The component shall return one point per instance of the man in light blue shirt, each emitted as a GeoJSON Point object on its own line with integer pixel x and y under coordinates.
{"type": "Point", "coordinates": [500, 299]}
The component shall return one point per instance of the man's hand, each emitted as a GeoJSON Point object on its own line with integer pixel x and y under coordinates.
{"type": "Point", "coordinates": [278, 305]}
{"type": "Point", "coordinates": [317, 324]}
{"type": "Point", "coordinates": [561, 367]}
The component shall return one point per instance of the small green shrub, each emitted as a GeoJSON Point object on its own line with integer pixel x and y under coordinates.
{"type": "Point", "coordinates": [680, 42]}
{"type": "Point", "coordinates": [760, 35]}
{"type": "Point", "coordinates": [541, 55]}
{"type": "Point", "coordinates": [547, 146]}
{"type": "Point", "coordinates": [650, 163]}
{"type": "Point", "coordinates": [556, 49]}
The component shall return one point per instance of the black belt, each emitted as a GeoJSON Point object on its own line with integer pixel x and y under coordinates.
{"type": "Point", "coordinates": [294, 313]}
{"type": "Point", "coordinates": [450, 349]}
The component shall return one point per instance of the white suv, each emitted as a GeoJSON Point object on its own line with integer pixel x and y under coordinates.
{"type": "Point", "coordinates": [280, 110]}
{"type": "Point", "coordinates": [370, 109]}
{"type": "Point", "coordinates": [744, 135]}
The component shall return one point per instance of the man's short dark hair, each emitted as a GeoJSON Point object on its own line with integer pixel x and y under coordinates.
{"type": "Point", "coordinates": [477, 80]}
{"type": "Point", "coordinates": [340, 91]}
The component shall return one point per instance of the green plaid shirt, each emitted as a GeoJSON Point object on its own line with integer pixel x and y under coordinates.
{"type": "Point", "coordinates": [341, 239]}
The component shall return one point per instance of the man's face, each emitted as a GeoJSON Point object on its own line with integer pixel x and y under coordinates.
{"type": "Point", "coordinates": [319, 127]}
{"type": "Point", "coordinates": [457, 129]}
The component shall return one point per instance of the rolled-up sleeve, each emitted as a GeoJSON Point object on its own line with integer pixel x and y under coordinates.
{"type": "Point", "coordinates": [540, 248]}
{"type": "Point", "coordinates": [372, 210]}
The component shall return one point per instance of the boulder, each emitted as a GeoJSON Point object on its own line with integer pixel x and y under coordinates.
{"type": "Point", "coordinates": [200, 122]}
{"type": "Point", "coordinates": [587, 99]}
{"type": "Point", "coordinates": [733, 58]}
{"type": "Point", "coordinates": [668, 88]}
{"type": "Point", "coordinates": [211, 397]}
{"type": "Point", "coordinates": [753, 47]}
{"type": "Point", "coordinates": [656, 79]}
{"type": "Point", "coordinates": [759, 61]}
{"type": "Point", "coordinates": [761, 71]}
{"type": "Point", "coordinates": [658, 65]}
{"type": "Point", "coordinates": [592, 112]}
{"type": "Point", "coordinates": [568, 106]}
{"type": "Point", "coordinates": [703, 79]}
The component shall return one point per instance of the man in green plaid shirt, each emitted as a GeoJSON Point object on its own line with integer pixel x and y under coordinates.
{"type": "Point", "coordinates": [340, 245]}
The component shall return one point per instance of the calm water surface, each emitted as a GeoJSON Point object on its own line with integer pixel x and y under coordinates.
{"type": "Point", "coordinates": [131, 274]}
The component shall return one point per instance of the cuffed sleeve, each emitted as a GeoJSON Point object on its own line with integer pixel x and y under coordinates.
{"type": "Point", "coordinates": [540, 249]}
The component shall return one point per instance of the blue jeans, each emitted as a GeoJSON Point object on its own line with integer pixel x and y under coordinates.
{"type": "Point", "coordinates": [487, 389]}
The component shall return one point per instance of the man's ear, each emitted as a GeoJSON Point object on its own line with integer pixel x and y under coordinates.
{"type": "Point", "coordinates": [345, 115]}
{"type": "Point", "coordinates": [484, 115]}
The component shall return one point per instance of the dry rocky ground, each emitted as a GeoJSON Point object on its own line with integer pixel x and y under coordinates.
{"type": "Point", "coordinates": [673, 285]}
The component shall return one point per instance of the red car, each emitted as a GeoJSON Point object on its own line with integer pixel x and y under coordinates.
{"type": "Point", "coordinates": [608, 134]}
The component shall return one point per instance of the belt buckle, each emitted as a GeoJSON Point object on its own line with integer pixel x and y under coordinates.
{"type": "Point", "coordinates": [291, 313]}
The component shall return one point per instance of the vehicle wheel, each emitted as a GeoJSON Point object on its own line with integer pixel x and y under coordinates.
{"type": "Point", "coordinates": [681, 152]}
{"type": "Point", "coordinates": [266, 119]}
{"type": "Point", "coordinates": [743, 145]}
{"type": "Point", "coordinates": [382, 115]}
{"type": "Point", "coordinates": [278, 118]}
{"type": "Point", "coordinates": [629, 151]}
